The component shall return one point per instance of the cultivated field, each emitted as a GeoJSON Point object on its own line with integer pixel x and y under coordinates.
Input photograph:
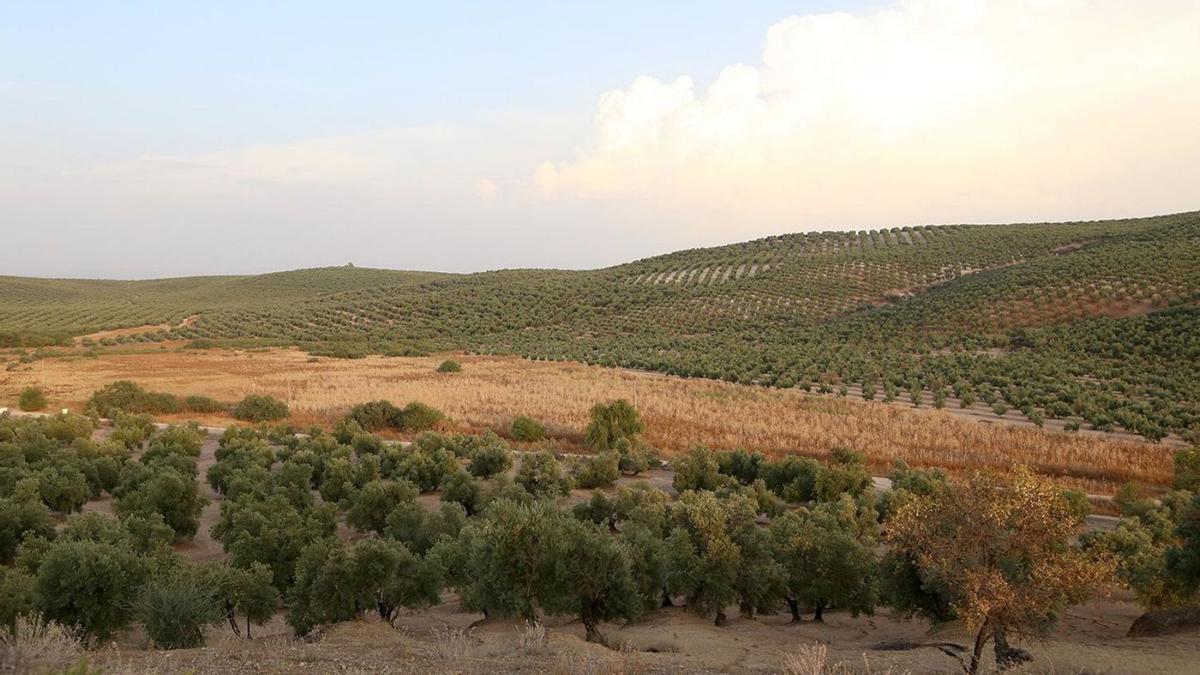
{"type": "Point", "coordinates": [679, 413]}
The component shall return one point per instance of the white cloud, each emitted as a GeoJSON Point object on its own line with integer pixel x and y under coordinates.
{"type": "Point", "coordinates": [927, 110]}
{"type": "Point", "coordinates": [486, 189]}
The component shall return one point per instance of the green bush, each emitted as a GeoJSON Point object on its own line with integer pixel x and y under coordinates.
{"type": "Point", "coordinates": [600, 470]}
{"type": "Point", "coordinates": [19, 520]}
{"type": "Point", "coordinates": [610, 423]}
{"type": "Point", "coordinates": [376, 415]}
{"type": "Point", "coordinates": [420, 417]}
{"type": "Point", "coordinates": [697, 470]}
{"type": "Point", "coordinates": [256, 408]}
{"type": "Point", "coordinates": [491, 459]}
{"type": "Point", "coordinates": [202, 404]}
{"type": "Point", "coordinates": [449, 366]}
{"type": "Point", "coordinates": [527, 430]}
{"type": "Point", "coordinates": [16, 595]}
{"type": "Point", "coordinates": [174, 611]}
{"type": "Point", "coordinates": [89, 585]}
{"type": "Point", "coordinates": [1187, 469]}
{"type": "Point", "coordinates": [462, 488]}
{"type": "Point", "coordinates": [125, 396]}
{"type": "Point", "coordinates": [541, 474]}
{"type": "Point", "coordinates": [164, 491]}
{"type": "Point", "coordinates": [32, 398]}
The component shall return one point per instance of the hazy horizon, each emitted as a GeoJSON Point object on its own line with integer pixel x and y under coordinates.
{"type": "Point", "coordinates": [159, 142]}
{"type": "Point", "coordinates": [333, 265]}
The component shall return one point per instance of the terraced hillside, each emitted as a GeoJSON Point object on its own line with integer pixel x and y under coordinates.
{"type": "Point", "coordinates": [1096, 322]}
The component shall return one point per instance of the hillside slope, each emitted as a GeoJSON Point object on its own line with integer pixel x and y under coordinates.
{"type": "Point", "coordinates": [1096, 321]}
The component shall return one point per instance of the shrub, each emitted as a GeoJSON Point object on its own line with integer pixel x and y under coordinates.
{"type": "Point", "coordinates": [541, 475]}
{"type": "Point", "coordinates": [32, 398]}
{"type": "Point", "coordinates": [491, 459]}
{"type": "Point", "coordinates": [167, 492]}
{"type": "Point", "coordinates": [462, 488]}
{"type": "Point", "coordinates": [90, 585]}
{"type": "Point", "coordinates": [202, 404]}
{"type": "Point", "coordinates": [599, 470]}
{"type": "Point", "coordinates": [1187, 469]}
{"type": "Point", "coordinates": [611, 423]}
{"type": "Point", "coordinates": [32, 645]}
{"type": "Point", "coordinates": [697, 470]}
{"type": "Point", "coordinates": [16, 596]}
{"type": "Point", "coordinates": [126, 396]}
{"type": "Point", "coordinates": [449, 366]}
{"type": "Point", "coordinates": [20, 519]}
{"type": "Point", "coordinates": [174, 611]}
{"type": "Point", "coordinates": [527, 430]}
{"type": "Point", "coordinates": [420, 417]}
{"type": "Point", "coordinates": [375, 501]}
{"type": "Point", "coordinates": [742, 465]}
{"type": "Point", "coordinates": [256, 408]}
{"type": "Point", "coordinates": [376, 415]}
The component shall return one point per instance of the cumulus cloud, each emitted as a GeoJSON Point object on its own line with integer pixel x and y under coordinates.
{"type": "Point", "coordinates": [925, 110]}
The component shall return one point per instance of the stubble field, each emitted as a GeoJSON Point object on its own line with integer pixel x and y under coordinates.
{"type": "Point", "coordinates": [679, 413]}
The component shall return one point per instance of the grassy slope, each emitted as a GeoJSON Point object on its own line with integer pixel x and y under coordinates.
{"type": "Point", "coordinates": [904, 309]}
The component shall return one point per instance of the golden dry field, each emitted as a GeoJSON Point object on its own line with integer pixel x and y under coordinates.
{"type": "Point", "coordinates": [679, 413]}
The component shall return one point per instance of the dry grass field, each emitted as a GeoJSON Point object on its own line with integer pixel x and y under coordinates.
{"type": "Point", "coordinates": [679, 413]}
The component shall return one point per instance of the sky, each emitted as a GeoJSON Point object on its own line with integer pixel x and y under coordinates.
{"type": "Point", "coordinates": [145, 139]}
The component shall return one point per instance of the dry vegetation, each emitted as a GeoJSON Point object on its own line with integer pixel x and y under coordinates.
{"type": "Point", "coordinates": [1090, 639]}
{"type": "Point", "coordinates": [679, 412]}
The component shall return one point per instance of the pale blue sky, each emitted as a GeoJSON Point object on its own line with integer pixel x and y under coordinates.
{"type": "Point", "coordinates": [166, 77]}
{"type": "Point", "coordinates": [143, 139]}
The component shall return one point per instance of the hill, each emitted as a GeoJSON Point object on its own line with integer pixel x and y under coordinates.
{"type": "Point", "coordinates": [1096, 322]}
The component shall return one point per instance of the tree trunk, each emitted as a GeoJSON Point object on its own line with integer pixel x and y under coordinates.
{"type": "Point", "coordinates": [819, 612]}
{"type": "Point", "coordinates": [1007, 656]}
{"type": "Point", "coordinates": [385, 610]}
{"type": "Point", "coordinates": [232, 619]}
{"type": "Point", "coordinates": [248, 628]}
{"type": "Point", "coordinates": [794, 606]}
{"type": "Point", "coordinates": [980, 641]}
{"type": "Point", "coordinates": [593, 631]}
{"type": "Point", "coordinates": [721, 619]}
{"type": "Point", "coordinates": [746, 610]}
{"type": "Point", "coordinates": [666, 599]}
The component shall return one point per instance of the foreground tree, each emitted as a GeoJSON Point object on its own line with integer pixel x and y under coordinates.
{"type": "Point", "coordinates": [175, 608]}
{"type": "Point", "coordinates": [703, 560]}
{"type": "Point", "coordinates": [595, 578]}
{"type": "Point", "coordinates": [506, 564]}
{"type": "Point", "coordinates": [89, 585]}
{"type": "Point", "coordinates": [389, 577]}
{"type": "Point", "coordinates": [998, 546]}
{"type": "Point", "coordinates": [828, 561]}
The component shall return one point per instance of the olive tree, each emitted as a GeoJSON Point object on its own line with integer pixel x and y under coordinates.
{"type": "Point", "coordinates": [827, 562]}
{"type": "Point", "coordinates": [610, 423]}
{"type": "Point", "coordinates": [998, 547]}
{"type": "Point", "coordinates": [595, 577]}
{"type": "Point", "coordinates": [542, 475]}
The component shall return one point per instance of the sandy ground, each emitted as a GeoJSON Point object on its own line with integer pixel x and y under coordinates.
{"type": "Point", "coordinates": [1090, 639]}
